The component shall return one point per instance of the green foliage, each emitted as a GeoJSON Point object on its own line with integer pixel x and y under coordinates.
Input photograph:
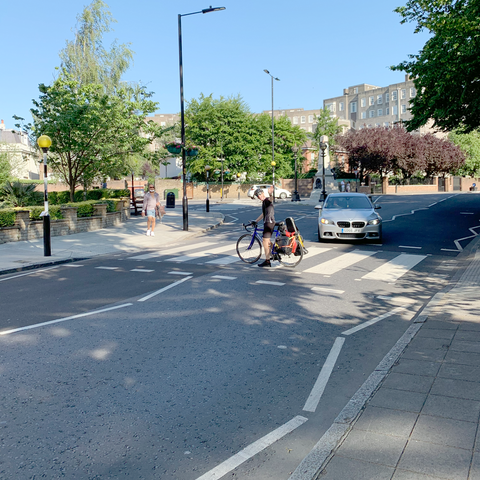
{"type": "Point", "coordinates": [19, 194]}
{"type": "Point", "coordinates": [326, 125]}
{"type": "Point", "coordinates": [84, 209]}
{"type": "Point", "coordinates": [5, 168]}
{"type": "Point", "coordinates": [445, 71]}
{"type": "Point", "coordinates": [53, 211]}
{"type": "Point", "coordinates": [86, 60]}
{"type": "Point", "coordinates": [470, 145]}
{"type": "Point", "coordinates": [123, 192]}
{"type": "Point", "coordinates": [7, 217]}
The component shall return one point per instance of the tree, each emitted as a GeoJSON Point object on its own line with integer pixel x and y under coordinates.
{"type": "Point", "coordinates": [19, 194]}
{"type": "Point", "coordinates": [86, 60]}
{"type": "Point", "coordinates": [470, 146]}
{"type": "Point", "coordinates": [5, 168]}
{"type": "Point", "coordinates": [92, 131]}
{"type": "Point", "coordinates": [446, 70]}
{"type": "Point", "coordinates": [326, 125]}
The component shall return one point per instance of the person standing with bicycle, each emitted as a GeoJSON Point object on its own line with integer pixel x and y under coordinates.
{"type": "Point", "coordinates": [268, 215]}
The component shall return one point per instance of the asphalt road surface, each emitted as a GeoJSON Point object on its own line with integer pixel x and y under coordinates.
{"type": "Point", "coordinates": [167, 364]}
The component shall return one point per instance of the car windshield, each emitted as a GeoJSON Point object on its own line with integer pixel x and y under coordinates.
{"type": "Point", "coordinates": [348, 202]}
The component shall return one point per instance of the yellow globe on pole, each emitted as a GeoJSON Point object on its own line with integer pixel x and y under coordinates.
{"type": "Point", "coordinates": [44, 141]}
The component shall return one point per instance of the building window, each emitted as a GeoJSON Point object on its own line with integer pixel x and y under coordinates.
{"type": "Point", "coordinates": [379, 112]}
{"type": "Point", "coordinates": [162, 124]}
{"type": "Point", "coordinates": [387, 97]}
{"type": "Point", "coordinates": [404, 109]}
{"type": "Point", "coordinates": [412, 92]}
{"type": "Point", "coordinates": [379, 99]}
{"type": "Point", "coordinates": [340, 107]}
{"type": "Point", "coordinates": [371, 113]}
{"type": "Point", "coordinates": [353, 107]}
{"type": "Point", "coordinates": [355, 90]}
{"type": "Point", "coordinates": [295, 120]}
{"type": "Point", "coordinates": [363, 102]}
{"type": "Point", "coordinates": [303, 119]}
{"type": "Point", "coordinates": [364, 115]}
{"type": "Point", "coordinates": [310, 128]}
{"type": "Point", "coordinates": [387, 110]}
{"type": "Point", "coordinates": [394, 110]}
{"type": "Point", "coordinates": [330, 107]}
{"type": "Point", "coordinates": [371, 100]}
{"type": "Point", "coordinates": [404, 93]}
{"type": "Point", "coordinates": [310, 119]}
{"type": "Point", "coordinates": [394, 96]}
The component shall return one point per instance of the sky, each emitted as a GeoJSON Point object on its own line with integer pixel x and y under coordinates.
{"type": "Point", "coordinates": [315, 47]}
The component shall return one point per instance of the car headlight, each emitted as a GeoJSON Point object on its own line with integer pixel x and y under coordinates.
{"type": "Point", "coordinates": [375, 221]}
{"type": "Point", "coordinates": [326, 221]}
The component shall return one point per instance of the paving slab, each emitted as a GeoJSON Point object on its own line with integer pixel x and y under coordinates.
{"type": "Point", "coordinates": [410, 383]}
{"type": "Point", "coordinates": [396, 400]}
{"type": "Point", "coordinates": [458, 371]}
{"type": "Point", "coordinates": [456, 388]}
{"type": "Point", "coordinates": [341, 468]}
{"type": "Point", "coordinates": [416, 367]}
{"type": "Point", "coordinates": [464, 358]}
{"type": "Point", "coordinates": [452, 407]}
{"type": "Point", "coordinates": [425, 354]}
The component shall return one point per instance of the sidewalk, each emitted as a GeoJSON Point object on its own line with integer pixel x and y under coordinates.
{"type": "Point", "coordinates": [128, 237]}
{"type": "Point", "coordinates": [417, 416]}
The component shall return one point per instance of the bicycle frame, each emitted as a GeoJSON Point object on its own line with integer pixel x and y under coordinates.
{"type": "Point", "coordinates": [255, 235]}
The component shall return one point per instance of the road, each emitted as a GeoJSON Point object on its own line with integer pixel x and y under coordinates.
{"type": "Point", "coordinates": [178, 360]}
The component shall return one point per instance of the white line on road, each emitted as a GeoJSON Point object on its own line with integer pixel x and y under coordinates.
{"type": "Point", "coordinates": [141, 270]}
{"type": "Point", "coordinates": [319, 387]}
{"type": "Point", "coordinates": [253, 449]}
{"type": "Point", "coordinates": [343, 261]}
{"type": "Point", "coordinates": [330, 290]}
{"type": "Point", "coordinates": [107, 268]}
{"type": "Point", "coordinates": [265, 282]}
{"type": "Point", "coordinates": [29, 273]}
{"type": "Point", "coordinates": [391, 271]}
{"type": "Point", "coordinates": [449, 250]}
{"type": "Point", "coordinates": [408, 246]}
{"type": "Point", "coordinates": [466, 213]}
{"type": "Point", "coordinates": [374, 320]}
{"type": "Point", "coordinates": [73, 265]}
{"type": "Point", "coordinates": [51, 322]}
{"type": "Point", "coordinates": [163, 289]}
{"type": "Point", "coordinates": [224, 277]}
{"type": "Point", "coordinates": [180, 273]}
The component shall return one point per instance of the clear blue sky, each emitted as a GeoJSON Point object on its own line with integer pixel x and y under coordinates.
{"type": "Point", "coordinates": [315, 47]}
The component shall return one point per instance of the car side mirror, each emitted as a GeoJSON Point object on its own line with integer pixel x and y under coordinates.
{"type": "Point", "coordinates": [378, 207]}
{"type": "Point", "coordinates": [318, 207]}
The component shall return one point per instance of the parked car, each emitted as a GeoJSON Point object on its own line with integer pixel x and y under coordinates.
{"type": "Point", "coordinates": [349, 216]}
{"type": "Point", "coordinates": [279, 192]}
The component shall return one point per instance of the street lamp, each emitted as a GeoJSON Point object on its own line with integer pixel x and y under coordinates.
{"type": "Point", "coordinates": [273, 179]}
{"type": "Point", "coordinates": [44, 142]}
{"type": "Point", "coordinates": [207, 169]}
{"type": "Point", "coordinates": [295, 196]}
{"type": "Point", "coordinates": [323, 147]}
{"type": "Point", "coordinates": [182, 109]}
{"type": "Point", "coordinates": [273, 137]}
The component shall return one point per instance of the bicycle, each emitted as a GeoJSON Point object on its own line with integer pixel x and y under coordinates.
{"type": "Point", "coordinates": [249, 245]}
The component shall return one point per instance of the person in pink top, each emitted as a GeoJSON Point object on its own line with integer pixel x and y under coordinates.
{"type": "Point", "coordinates": [151, 201]}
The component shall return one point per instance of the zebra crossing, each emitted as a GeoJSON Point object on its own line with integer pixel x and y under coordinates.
{"type": "Point", "coordinates": [325, 261]}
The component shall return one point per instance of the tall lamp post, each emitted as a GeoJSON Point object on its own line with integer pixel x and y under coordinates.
{"type": "Point", "coordinates": [182, 109]}
{"type": "Point", "coordinates": [273, 136]}
{"type": "Point", "coordinates": [295, 196]}
{"type": "Point", "coordinates": [44, 142]}
{"type": "Point", "coordinates": [323, 147]}
{"type": "Point", "coordinates": [207, 169]}
{"type": "Point", "coordinates": [273, 179]}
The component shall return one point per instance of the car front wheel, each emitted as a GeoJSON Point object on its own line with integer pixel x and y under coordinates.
{"type": "Point", "coordinates": [283, 195]}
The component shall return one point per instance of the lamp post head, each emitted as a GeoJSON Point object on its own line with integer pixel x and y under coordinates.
{"type": "Point", "coordinates": [295, 149]}
{"type": "Point", "coordinates": [212, 9]}
{"type": "Point", "coordinates": [323, 147]}
{"type": "Point", "coordinates": [266, 71]}
{"type": "Point", "coordinates": [207, 167]}
{"type": "Point", "coordinates": [44, 142]}
{"type": "Point", "coordinates": [273, 163]}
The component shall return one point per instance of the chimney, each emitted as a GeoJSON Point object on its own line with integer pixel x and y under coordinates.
{"type": "Point", "coordinates": [2, 126]}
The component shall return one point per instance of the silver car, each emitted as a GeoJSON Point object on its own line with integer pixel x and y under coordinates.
{"type": "Point", "coordinates": [349, 216]}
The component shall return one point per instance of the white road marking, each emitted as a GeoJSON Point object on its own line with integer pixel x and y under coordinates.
{"type": "Point", "coordinates": [253, 449]}
{"type": "Point", "coordinates": [170, 251]}
{"type": "Point", "coordinates": [317, 391]}
{"type": "Point", "coordinates": [391, 271]}
{"type": "Point", "coordinates": [313, 251]}
{"type": "Point", "coordinates": [206, 252]}
{"type": "Point", "coordinates": [164, 289]}
{"type": "Point", "coordinates": [407, 246]}
{"type": "Point", "coordinates": [224, 277]}
{"type": "Point", "coordinates": [330, 290]}
{"type": "Point", "coordinates": [339, 263]}
{"type": "Point", "coordinates": [180, 273]}
{"type": "Point", "coordinates": [265, 282]}
{"type": "Point", "coordinates": [72, 265]}
{"type": "Point", "coordinates": [466, 213]}
{"type": "Point", "coordinates": [373, 321]}
{"type": "Point", "coordinates": [107, 268]}
{"type": "Point", "coordinates": [51, 322]}
{"type": "Point", "coordinates": [141, 270]}
{"type": "Point", "coordinates": [225, 260]}
{"type": "Point", "coordinates": [449, 250]}
{"type": "Point", "coordinates": [29, 273]}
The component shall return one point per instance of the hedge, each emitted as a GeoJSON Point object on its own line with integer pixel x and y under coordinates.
{"type": "Point", "coordinates": [7, 217]}
{"type": "Point", "coordinates": [53, 211]}
{"type": "Point", "coordinates": [60, 198]}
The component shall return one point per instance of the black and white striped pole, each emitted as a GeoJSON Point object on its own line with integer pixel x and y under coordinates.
{"type": "Point", "coordinates": [44, 142]}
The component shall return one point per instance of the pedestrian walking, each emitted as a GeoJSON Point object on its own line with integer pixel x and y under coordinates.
{"type": "Point", "coordinates": [342, 186]}
{"type": "Point", "coordinates": [268, 215]}
{"type": "Point", "coordinates": [347, 187]}
{"type": "Point", "coordinates": [151, 201]}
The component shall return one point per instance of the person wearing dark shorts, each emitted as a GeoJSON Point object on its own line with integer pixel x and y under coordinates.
{"type": "Point", "coordinates": [268, 215]}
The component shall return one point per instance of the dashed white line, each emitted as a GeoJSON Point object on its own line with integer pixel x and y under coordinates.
{"type": "Point", "coordinates": [253, 449]}
{"type": "Point", "coordinates": [51, 322]}
{"type": "Point", "coordinates": [224, 277]}
{"type": "Point", "coordinates": [141, 270]}
{"type": "Point", "coordinates": [71, 265]}
{"type": "Point", "coordinates": [107, 268]}
{"type": "Point", "coordinates": [319, 387]}
{"type": "Point", "coordinates": [180, 273]}
{"type": "Point", "coordinates": [329, 290]}
{"type": "Point", "coordinates": [164, 289]}
{"type": "Point", "coordinates": [29, 273]}
{"type": "Point", "coordinates": [265, 282]}
{"type": "Point", "coordinates": [408, 246]}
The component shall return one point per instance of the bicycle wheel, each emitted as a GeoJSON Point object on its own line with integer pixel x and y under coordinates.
{"type": "Point", "coordinates": [291, 260]}
{"type": "Point", "coordinates": [249, 248]}
{"type": "Point", "coordinates": [300, 238]}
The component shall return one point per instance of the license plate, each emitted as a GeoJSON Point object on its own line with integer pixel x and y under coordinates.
{"type": "Point", "coordinates": [351, 230]}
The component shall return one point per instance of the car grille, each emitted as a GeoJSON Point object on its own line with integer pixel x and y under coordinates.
{"type": "Point", "coordinates": [358, 224]}
{"type": "Point", "coordinates": [350, 235]}
{"type": "Point", "coordinates": [343, 224]}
